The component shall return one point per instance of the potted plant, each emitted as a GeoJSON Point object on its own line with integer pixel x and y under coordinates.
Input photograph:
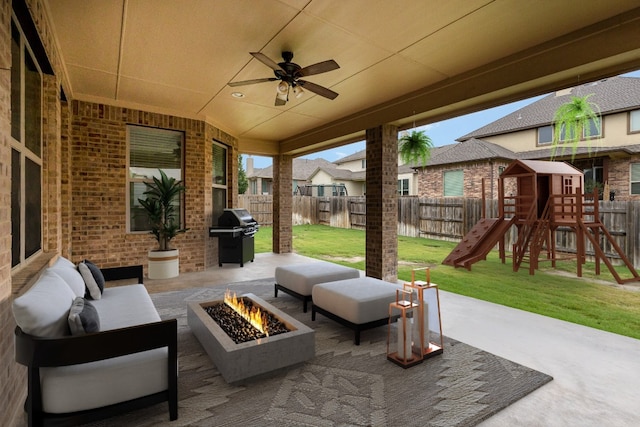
{"type": "Point", "coordinates": [415, 146]}
{"type": "Point", "coordinates": [572, 121]}
{"type": "Point", "coordinates": [160, 206]}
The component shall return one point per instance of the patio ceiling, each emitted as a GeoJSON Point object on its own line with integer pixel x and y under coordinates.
{"type": "Point", "coordinates": [401, 61]}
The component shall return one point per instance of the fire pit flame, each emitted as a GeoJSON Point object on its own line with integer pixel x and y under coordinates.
{"type": "Point", "coordinates": [253, 315]}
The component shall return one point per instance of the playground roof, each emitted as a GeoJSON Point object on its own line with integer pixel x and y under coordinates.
{"type": "Point", "coordinates": [540, 167]}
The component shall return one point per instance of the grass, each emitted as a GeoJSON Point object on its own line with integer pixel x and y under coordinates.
{"type": "Point", "coordinates": [584, 301]}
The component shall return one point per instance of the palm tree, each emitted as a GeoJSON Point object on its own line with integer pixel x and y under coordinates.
{"type": "Point", "coordinates": [415, 146]}
{"type": "Point", "coordinates": [573, 120]}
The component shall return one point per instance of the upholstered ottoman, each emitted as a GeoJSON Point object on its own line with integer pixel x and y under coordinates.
{"type": "Point", "coordinates": [359, 304]}
{"type": "Point", "coordinates": [298, 280]}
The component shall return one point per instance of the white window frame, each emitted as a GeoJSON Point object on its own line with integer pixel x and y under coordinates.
{"type": "Point", "coordinates": [402, 189]}
{"type": "Point", "coordinates": [634, 178]}
{"type": "Point", "coordinates": [23, 151]}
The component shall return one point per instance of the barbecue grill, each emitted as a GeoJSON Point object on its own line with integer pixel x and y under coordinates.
{"type": "Point", "coordinates": [235, 231]}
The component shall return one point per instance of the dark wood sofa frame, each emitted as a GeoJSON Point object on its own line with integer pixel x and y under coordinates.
{"type": "Point", "coordinates": [36, 353]}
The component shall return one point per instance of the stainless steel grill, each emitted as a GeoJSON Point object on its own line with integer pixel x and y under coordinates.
{"type": "Point", "coordinates": [235, 231]}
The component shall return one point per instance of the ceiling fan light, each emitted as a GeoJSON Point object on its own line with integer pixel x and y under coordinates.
{"type": "Point", "coordinates": [298, 92]}
{"type": "Point", "coordinates": [283, 88]}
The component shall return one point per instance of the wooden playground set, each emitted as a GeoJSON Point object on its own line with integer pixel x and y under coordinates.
{"type": "Point", "coordinates": [543, 197]}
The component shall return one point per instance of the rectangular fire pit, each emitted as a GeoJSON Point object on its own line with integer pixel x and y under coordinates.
{"type": "Point", "coordinates": [238, 362]}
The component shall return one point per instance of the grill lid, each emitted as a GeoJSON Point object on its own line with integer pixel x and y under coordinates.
{"type": "Point", "coordinates": [236, 217]}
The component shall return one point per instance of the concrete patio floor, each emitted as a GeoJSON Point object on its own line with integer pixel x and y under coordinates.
{"type": "Point", "coordinates": [596, 374]}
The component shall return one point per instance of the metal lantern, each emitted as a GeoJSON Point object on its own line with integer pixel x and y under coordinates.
{"type": "Point", "coordinates": [427, 315]}
{"type": "Point", "coordinates": [403, 332]}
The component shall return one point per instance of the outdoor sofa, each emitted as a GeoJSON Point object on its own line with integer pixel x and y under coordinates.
{"type": "Point", "coordinates": [120, 356]}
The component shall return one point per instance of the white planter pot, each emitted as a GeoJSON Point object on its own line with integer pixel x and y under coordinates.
{"type": "Point", "coordinates": [164, 264]}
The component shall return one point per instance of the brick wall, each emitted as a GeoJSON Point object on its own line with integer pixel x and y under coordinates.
{"type": "Point", "coordinates": [431, 181]}
{"type": "Point", "coordinates": [382, 203]}
{"type": "Point", "coordinates": [98, 153]}
{"type": "Point", "coordinates": [12, 376]}
{"type": "Point", "coordinates": [282, 204]}
{"type": "Point", "coordinates": [619, 175]}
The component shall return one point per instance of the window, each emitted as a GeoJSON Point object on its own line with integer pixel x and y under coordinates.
{"type": "Point", "coordinates": [364, 164]}
{"type": "Point", "coordinates": [595, 130]}
{"type": "Point", "coordinates": [501, 169]}
{"type": "Point", "coordinates": [635, 178]}
{"type": "Point", "coordinates": [403, 187]}
{"type": "Point", "coordinates": [453, 183]}
{"type": "Point", "coordinates": [219, 180]}
{"type": "Point", "coordinates": [150, 150]}
{"type": "Point", "coordinates": [634, 121]}
{"type": "Point", "coordinates": [26, 150]}
{"type": "Point", "coordinates": [545, 135]}
{"type": "Point", "coordinates": [253, 187]}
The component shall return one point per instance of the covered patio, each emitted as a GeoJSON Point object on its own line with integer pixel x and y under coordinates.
{"type": "Point", "coordinates": [101, 68]}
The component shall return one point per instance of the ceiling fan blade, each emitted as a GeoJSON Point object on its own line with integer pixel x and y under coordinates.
{"type": "Point", "coordinates": [250, 82]}
{"type": "Point", "coordinates": [317, 89]}
{"type": "Point", "coordinates": [320, 67]}
{"type": "Point", "coordinates": [266, 61]}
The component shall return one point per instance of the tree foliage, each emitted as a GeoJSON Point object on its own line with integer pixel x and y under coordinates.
{"type": "Point", "coordinates": [243, 182]}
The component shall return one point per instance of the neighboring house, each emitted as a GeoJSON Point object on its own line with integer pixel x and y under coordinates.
{"type": "Point", "coordinates": [610, 160]}
{"type": "Point", "coordinates": [261, 180]}
{"type": "Point", "coordinates": [350, 171]}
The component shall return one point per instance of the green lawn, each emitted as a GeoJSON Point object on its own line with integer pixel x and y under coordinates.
{"type": "Point", "coordinates": [583, 301]}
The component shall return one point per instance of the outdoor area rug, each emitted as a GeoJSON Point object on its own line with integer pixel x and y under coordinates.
{"type": "Point", "coordinates": [344, 385]}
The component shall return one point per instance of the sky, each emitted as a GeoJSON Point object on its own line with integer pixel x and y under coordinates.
{"type": "Point", "coordinates": [441, 133]}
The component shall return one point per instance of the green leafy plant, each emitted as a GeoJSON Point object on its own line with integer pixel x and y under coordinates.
{"type": "Point", "coordinates": [160, 206]}
{"type": "Point", "coordinates": [415, 147]}
{"type": "Point", "coordinates": [572, 121]}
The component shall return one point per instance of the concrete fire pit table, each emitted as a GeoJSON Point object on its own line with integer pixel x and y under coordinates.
{"type": "Point", "coordinates": [247, 360]}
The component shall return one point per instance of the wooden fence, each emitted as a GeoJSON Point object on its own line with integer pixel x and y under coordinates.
{"type": "Point", "coordinates": [445, 218]}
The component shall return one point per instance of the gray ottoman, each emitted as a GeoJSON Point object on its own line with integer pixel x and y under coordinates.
{"type": "Point", "coordinates": [359, 304]}
{"type": "Point", "coordinates": [298, 280]}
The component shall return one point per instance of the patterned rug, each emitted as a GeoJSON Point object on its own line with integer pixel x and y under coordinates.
{"type": "Point", "coordinates": [344, 385]}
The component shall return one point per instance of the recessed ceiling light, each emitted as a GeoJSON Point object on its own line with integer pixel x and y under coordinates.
{"type": "Point", "coordinates": [237, 94]}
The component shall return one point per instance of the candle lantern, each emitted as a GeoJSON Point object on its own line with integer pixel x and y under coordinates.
{"type": "Point", "coordinates": [403, 332]}
{"type": "Point", "coordinates": [427, 315]}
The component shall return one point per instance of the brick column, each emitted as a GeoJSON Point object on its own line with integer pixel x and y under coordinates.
{"type": "Point", "coordinates": [382, 203]}
{"type": "Point", "coordinates": [282, 203]}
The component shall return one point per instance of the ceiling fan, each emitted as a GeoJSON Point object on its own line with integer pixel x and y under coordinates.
{"type": "Point", "coordinates": [289, 74]}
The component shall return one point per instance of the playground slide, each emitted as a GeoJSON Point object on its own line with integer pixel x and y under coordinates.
{"type": "Point", "coordinates": [478, 242]}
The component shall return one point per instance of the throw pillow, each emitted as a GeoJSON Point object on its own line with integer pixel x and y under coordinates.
{"type": "Point", "coordinates": [93, 289]}
{"type": "Point", "coordinates": [83, 317]}
{"type": "Point", "coordinates": [97, 274]}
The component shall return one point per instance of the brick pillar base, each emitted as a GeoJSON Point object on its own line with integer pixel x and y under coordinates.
{"type": "Point", "coordinates": [282, 204]}
{"type": "Point", "coordinates": [382, 203]}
